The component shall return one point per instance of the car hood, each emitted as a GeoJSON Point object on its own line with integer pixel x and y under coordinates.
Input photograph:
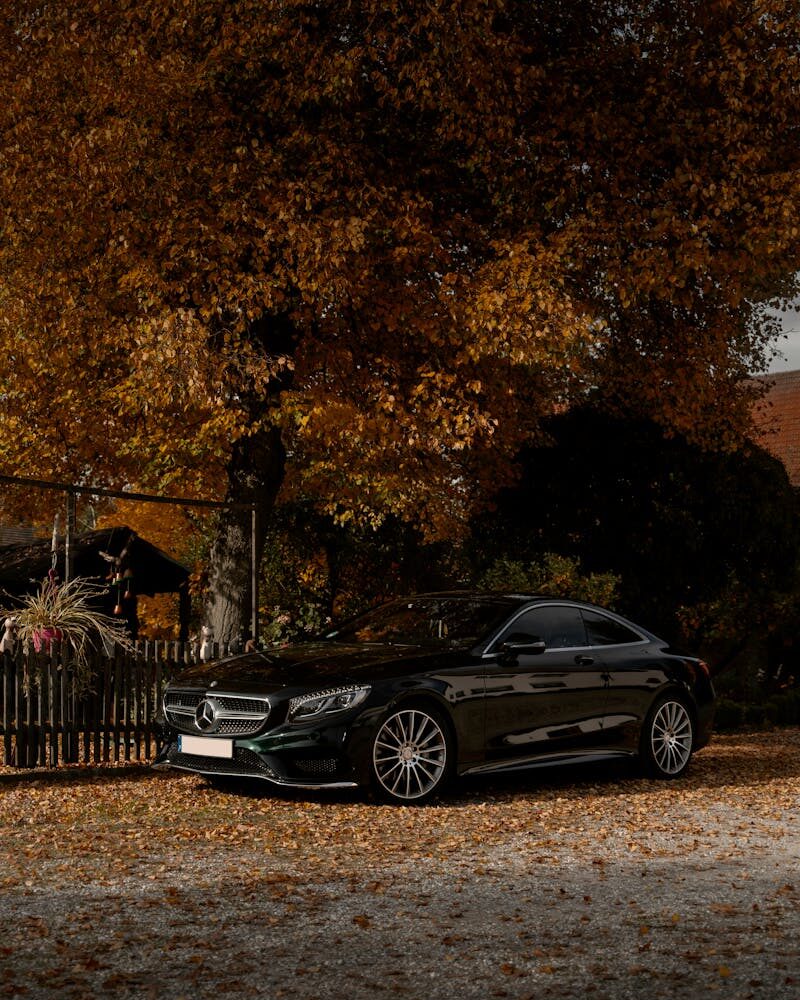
{"type": "Point", "coordinates": [314, 664]}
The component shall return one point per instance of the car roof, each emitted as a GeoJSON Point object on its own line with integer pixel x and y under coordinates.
{"type": "Point", "coordinates": [515, 597]}
{"type": "Point", "coordinates": [504, 596]}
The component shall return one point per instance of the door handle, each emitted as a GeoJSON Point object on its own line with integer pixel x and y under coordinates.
{"type": "Point", "coordinates": [584, 661]}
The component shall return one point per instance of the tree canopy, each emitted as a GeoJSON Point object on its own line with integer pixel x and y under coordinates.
{"type": "Point", "coordinates": [356, 251]}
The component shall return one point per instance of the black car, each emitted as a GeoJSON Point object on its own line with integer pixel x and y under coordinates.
{"type": "Point", "coordinates": [436, 685]}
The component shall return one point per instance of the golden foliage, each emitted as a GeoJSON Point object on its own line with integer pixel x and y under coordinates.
{"type": "Point", "coordinates": [401, 232]}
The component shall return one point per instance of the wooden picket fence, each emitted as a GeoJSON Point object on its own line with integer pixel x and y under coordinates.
{"type": "Point", "coordinates": [47, 719]}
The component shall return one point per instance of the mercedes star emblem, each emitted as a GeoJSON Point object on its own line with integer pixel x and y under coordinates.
{"type": "Point", "coordinates": [205, 715]}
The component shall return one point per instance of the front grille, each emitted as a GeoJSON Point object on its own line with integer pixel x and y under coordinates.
{"type": "Point", "coordinates": [179, 708]}
{"type": "Point", "coordinates": [183, 699]}
{"type": "Point", "coordinates": [236, 704]}
{"type": "Point", "coordinates": [229, 715]}
{"type": "Point", "coordinates": [245, 762]}
{"type": "Point", "coordinates": [235, 727]}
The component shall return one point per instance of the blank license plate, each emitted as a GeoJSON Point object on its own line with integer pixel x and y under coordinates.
{"type": "Point", "coordinates": [204, 746]}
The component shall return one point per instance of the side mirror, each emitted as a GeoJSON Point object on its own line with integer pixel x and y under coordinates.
{"type": "Point", "coordinates": [522, 647]}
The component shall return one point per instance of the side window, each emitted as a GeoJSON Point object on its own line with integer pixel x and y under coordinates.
{"type": "Point", "coordinates": [559, 626]}
{"type": "Point", "coordinates": [603, 631]}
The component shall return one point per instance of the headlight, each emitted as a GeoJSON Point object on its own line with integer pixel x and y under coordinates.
{"type": "Point", "coordinates": [312, 706]}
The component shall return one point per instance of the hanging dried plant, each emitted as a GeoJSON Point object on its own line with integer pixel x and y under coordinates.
{"type": "Point", "coordinates": [67, 613]}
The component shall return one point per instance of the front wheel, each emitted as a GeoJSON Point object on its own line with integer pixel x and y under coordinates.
{"type": "Point", "coordinates": [668, 738]}
{"type": "Point", "coordinates": [411, 755]}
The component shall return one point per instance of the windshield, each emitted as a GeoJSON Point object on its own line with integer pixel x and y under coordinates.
{"type": "Point", "coordinates": [452, 621]}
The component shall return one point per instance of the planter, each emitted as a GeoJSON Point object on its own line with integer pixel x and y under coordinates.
{"type": "Point", "coordinates": [43, 638]}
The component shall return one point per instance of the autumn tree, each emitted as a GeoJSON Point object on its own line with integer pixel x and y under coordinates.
{"type": "Point", "coordinates": [355, 251]}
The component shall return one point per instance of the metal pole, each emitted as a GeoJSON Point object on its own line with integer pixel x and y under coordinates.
{"type": "Point", "coordinates": [99, 491]}
{"type": "Point", "coordinates": [68, 535]}
{"type": "Point", "coordinates": [254, 572]}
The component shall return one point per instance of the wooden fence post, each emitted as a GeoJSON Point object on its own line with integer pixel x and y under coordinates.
{"type": "Point", "coordinates": [28, 698]}
{"type": "Point", "coordinates": [8, 720]}
{"type": "Point", "coordinates": [41, 714]}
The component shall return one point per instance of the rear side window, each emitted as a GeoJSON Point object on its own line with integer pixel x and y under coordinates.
{"type": "Point", "coordinates": [603, 631]}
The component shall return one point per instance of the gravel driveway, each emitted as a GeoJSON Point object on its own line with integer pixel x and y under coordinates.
{"type": "Point", "coordinates": [581, 883]}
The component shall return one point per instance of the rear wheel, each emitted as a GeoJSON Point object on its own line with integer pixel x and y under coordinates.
{"type": "Point", "coordinates": [668, 738]}
{"type": "Point", "coordinates": [411, 755]}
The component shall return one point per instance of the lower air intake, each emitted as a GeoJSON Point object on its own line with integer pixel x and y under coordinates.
{"type": "Point", "coordinates": [244, 762]}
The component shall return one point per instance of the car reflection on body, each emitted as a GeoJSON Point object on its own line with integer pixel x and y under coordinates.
{"type": "Point", "coordinates": [438, 685]}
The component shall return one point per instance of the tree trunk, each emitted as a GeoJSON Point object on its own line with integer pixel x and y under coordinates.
{"type": "Point", "coordinates": [255, 473]}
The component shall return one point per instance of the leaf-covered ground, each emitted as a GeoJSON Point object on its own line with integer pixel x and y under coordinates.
{"type": "Point", "coordinates": [593, 883]}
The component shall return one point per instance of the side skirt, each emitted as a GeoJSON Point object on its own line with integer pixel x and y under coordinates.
{"type": "Point", "coordinates": [562, 758]}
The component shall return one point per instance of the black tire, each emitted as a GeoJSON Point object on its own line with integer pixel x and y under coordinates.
{"type": "Point", "coordinates": [667, 741]}
{"type": "Point", "coordinates": [411, 755]}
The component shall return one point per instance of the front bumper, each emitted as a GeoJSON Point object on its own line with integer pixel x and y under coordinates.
{"type": "Point", "coordinates": [298, 760]}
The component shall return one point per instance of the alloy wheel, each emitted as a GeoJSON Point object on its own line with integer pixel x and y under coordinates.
{"type": "Point", "coordinates": [410, 755]}
{"type": "Point", "coordinates": [671, 738]}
